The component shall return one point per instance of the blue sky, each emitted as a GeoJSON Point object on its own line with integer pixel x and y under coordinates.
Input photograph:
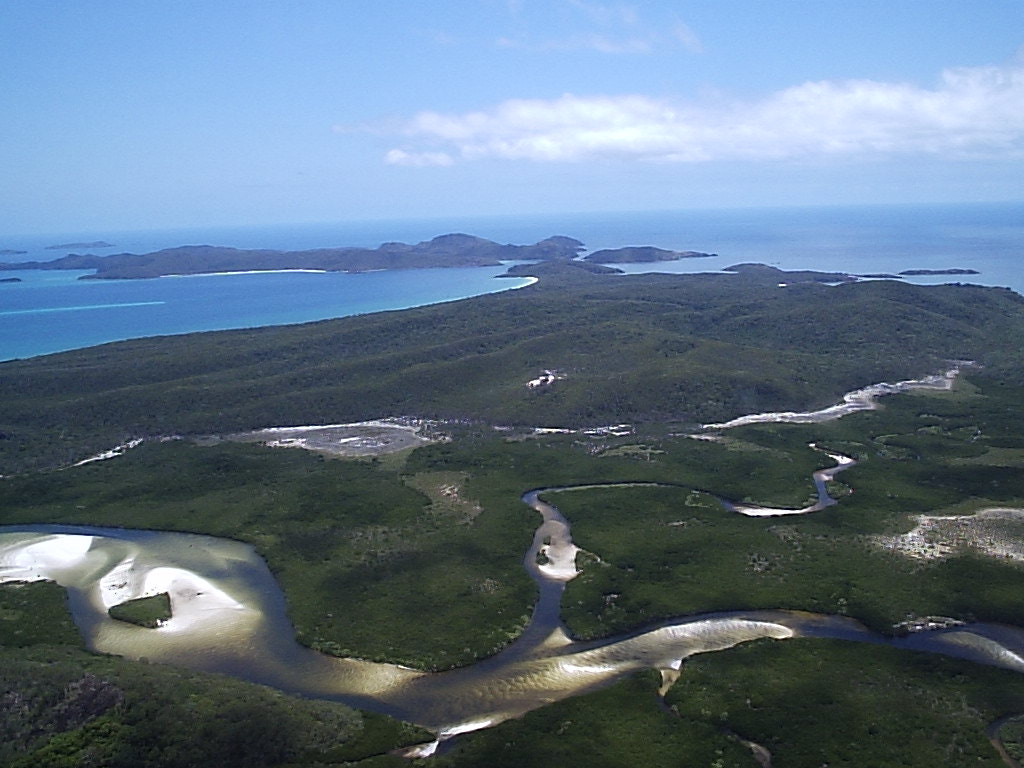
{"type": "Point", "coordinates": [137, 114]}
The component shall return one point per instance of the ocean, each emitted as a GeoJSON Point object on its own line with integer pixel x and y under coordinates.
{"type": "Point", "coordinates": [53, 311]}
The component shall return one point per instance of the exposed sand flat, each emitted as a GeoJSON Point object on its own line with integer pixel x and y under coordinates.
{"type": "Point", "coordinates": [859, 400]}
{"type": "Point", "coordinates": [552, 557]}
{"type": "Point", "coordinates": [112, 453]}
{"type": "Point", "coordinates": [39, 558]}
{"type": "Point", "coordinates": [405, 424]}
{"type": "Point", "coordinates": [360, 438]}
{"type": "Point", "coordinates": [996, 532]}
{"type": "Point", "coordinates": [545, 379]}
{"type": "Point", "coordinates": [195, 601]}
{"type": "Point", "coordinates": [363, 438]}
{"type": "Point", "coordinates": [561, 560]}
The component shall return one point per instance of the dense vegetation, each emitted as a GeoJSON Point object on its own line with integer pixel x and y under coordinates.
{"type": "Point", "coordinates": [624, 725]}
{"type": "Point", "coordinates": [828, 702]}
{"type": "Point", "coordinates": [646, 348]}
{"type": "Point", "coordinates": [417, 557]}
{"type": "Point", "coordinates": [64, 708]}
{"type": "Point", "coordinates": [355, 549]}
{"type": "Point", "coordinates": [923, 454]}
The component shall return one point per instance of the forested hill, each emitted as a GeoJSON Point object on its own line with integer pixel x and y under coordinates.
{"type": "Point", "coordinates": [453, 250]}
{"type": "Point", "coordinates": [642, 253]}
{"type": "Point", "coordinates": [625, 349]}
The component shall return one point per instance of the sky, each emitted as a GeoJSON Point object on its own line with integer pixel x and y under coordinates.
{"type": "Point", "coordinates": [139, 114]}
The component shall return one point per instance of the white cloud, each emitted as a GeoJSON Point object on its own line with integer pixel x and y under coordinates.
{"type": "Point", "coordinates": [971, 112]}
{"type": "Point", "coordinates": [417, 159]}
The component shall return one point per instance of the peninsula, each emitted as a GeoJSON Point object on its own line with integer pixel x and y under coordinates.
{"type": "Point", "coordinates": [451, 250]}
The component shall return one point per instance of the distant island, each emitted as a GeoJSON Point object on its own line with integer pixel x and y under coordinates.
{"type": "Point", "coordinates": [10, 279]}
{"type": "Point", "coordinates": [9, 252]}
{"type": "Point", "coordinates": [786, 276]}
{"type": "Point", "coordinates": [911, 272]}
{"type": "Point", "coordinates": [452, 250]}
{"type": "Point", "coordinates": [94, 244]}
{"type": "Point", "coordinates": [642, 253]}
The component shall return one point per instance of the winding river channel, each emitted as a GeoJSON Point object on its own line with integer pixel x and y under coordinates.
{"type": "Point", "coordinates": [229, 616]}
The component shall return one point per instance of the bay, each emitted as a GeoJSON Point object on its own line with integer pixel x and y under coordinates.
{"type": "Point", "coordinates": [54, 311]}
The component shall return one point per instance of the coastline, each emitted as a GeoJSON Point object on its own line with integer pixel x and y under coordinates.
{"type": "Point", "coordinates": [872, 239]}
{"type": "Point", "coordinates": [250, 272]}
{"type": "Point", "coordinates": [104, 311]}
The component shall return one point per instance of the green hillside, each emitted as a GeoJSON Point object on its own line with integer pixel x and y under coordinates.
{"type": "Point", "coordinates": [650, 348]}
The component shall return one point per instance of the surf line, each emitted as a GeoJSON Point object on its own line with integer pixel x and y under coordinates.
{"type": "Point", "coordinates": [44, 310]}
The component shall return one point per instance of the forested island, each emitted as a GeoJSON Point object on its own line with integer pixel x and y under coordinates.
{"type": "Point", "coordinates": [641, 254]}
{"type": "Point", "coordinates": [611, 386]}
{"type": "Point", "coordinates": [953, 271]}
{"type": "Point", "coordinates": [89, 244]}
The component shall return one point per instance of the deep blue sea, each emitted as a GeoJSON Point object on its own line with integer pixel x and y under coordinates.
{"type": "Point", "coordinates": [52, 311]}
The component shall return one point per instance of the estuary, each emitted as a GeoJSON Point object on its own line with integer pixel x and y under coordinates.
{"type": "Point", "coordinates": [229, 615]}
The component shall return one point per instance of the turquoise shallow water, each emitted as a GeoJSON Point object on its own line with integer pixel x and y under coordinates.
{"type": "Point", "coordinates": [54, 311]}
